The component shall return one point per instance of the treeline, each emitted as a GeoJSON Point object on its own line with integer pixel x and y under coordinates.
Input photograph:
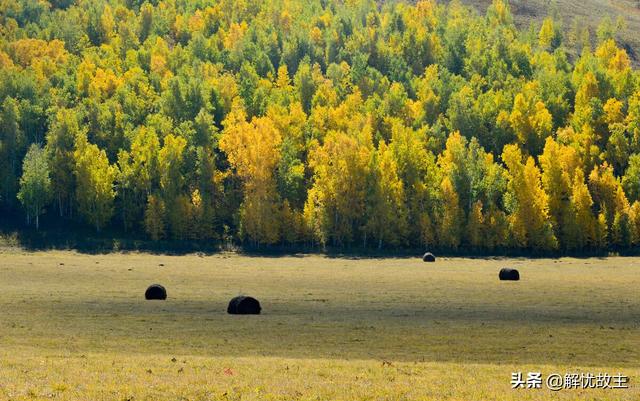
{"type": "Point", "coordinates": [320, 122]}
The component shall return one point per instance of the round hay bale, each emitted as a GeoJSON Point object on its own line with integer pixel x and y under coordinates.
{"type": "Point", "coordinates": [242, 305]}
{"type": "Point", "coordinates": [428, 257]}
{"type": "Point", "coordinates": [155, 292]}
{"type": "Point", "coordinates": [509, 274]}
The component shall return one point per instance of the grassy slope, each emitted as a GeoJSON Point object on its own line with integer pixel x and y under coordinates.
{"type": "Point", "coordinates": [589, 11]}
{"type": "Point", "coordinates": [451, 330]}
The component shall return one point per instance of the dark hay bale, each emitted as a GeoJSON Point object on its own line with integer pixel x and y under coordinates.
{"type": "Point", "coordinates": [509, 274]}
{"type": "Point", "coordinates": [155, 291]}
{"type": "Point", "coordinates": [242, 305]}
{"type": "Point", "coordinates": [428, 257]}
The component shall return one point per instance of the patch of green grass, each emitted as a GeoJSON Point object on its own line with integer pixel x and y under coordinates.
{"type": "Point", "coordinates": [77, 327]}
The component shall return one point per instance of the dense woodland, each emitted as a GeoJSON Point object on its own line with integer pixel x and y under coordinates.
{"type": "Point", "coordinates": [319, 122]}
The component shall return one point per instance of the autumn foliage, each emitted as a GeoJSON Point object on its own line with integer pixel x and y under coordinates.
{"type": "Point", "coordinates": [319, 123]}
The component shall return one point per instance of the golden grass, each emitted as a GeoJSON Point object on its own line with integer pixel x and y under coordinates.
{"type": "Point", "coordinates": [331, 328]}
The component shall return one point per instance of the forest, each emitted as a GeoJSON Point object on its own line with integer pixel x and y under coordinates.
{"type": "Point", "coordinates": [346, 123]}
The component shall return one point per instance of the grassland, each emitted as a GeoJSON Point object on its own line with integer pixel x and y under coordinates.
{"type": "Point", "coordinates": [76, 327]}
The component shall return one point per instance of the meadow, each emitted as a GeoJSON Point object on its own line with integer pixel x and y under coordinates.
{"type": "Point", "coordinates": [76, 327]}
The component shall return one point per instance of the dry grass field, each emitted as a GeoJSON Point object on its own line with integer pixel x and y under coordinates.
{"type": "Point", "coordinates": [76, 327]}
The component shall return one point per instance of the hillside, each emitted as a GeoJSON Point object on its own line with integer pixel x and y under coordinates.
{"type": "Point", "coordinates": [320, 123]}
{"type": "Point", "coordinates": [585, 11]}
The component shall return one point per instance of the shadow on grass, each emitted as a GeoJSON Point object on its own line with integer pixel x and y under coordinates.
{"type": "Point", "coordinates": [474, 334]}
{"type": "Point", "coordinates": [57, 234]}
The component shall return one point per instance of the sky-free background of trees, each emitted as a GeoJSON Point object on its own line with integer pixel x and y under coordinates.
{"type": "Point", "coordinates": [324, 122]}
